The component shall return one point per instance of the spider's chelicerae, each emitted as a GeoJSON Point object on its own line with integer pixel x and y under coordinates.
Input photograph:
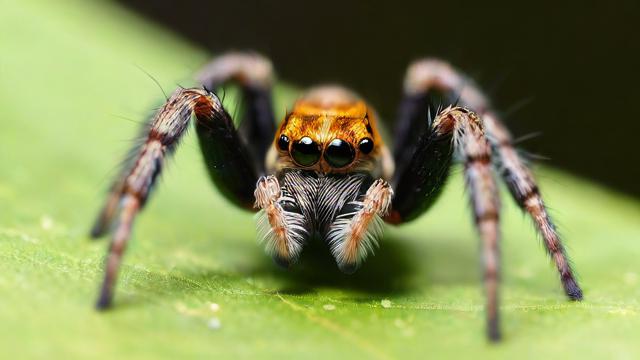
{"type": "Point", "coordinates": [326, 171]}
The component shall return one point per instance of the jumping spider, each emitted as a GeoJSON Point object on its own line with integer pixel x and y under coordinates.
{"type": "Point", "coordinates": [326, 171]}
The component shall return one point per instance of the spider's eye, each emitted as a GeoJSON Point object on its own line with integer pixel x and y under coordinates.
{"type": "Point", "coordinates": [339, 153]}
{"type": "Point", "coordinates": [366, 145]}
{"type": "Point", "coordinates": [283, 143]}
{"type": "Point", "coordinates": [305, 152]}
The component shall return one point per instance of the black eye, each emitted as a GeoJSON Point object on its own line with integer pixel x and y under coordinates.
{"type": "Point", "coordinates": [339, 153]}
{"type": "Point", "coordinates": [366, 145]}
{"type": "Point", "coordinates": [283, 143]}
{"type": "Point", "coordinates": [305, 151]}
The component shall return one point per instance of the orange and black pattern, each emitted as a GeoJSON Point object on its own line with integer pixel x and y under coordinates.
{"type": "Point", "coordinates": [326, 172]}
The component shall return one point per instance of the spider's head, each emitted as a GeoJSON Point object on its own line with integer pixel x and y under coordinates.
{"type": "Point", "coordinates": [329, 130]}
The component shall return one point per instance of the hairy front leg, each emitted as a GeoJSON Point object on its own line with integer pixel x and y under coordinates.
{"type": "Point", "coordinates": [282, 224]}
{"type": "Point", "coordinates": [429, 75]}
{"type": "Point", "coordinates": [354, 232]}
{"type": "Point", "coordinates": [230, 167]}
{"type": "Point", "coordinates": [455, 132]}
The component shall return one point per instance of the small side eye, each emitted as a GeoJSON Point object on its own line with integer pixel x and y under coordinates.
{"type": "Point", "coordinates": [366, 145]}
{"type": "Point", "coordinates": [305, 151]}
{"type": "Point", "coordinates": [283, 143]}
{"type": "Point", "coordinates": [339, 153]}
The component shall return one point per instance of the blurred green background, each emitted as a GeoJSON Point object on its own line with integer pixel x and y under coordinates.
{"type": "Point", "coordinates": [196, 284]}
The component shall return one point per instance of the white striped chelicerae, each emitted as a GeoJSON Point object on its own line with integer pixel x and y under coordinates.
{"type": "Point", "coordinates": [325, 172]}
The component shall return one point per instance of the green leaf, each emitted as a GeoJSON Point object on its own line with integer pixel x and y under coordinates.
{"type": "Point", "coordinates": [196, 283]}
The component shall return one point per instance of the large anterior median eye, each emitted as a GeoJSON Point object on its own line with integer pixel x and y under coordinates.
{"type": "Point", "coordinates": [305, 151]}
{"type": "Point", "coordinates": [339, 153]}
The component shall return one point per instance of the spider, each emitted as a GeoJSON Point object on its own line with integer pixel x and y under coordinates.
{"type": "Point", "coordinates": [326, 172]}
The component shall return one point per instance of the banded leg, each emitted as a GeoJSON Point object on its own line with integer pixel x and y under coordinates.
{"type": "Point", "coordinates": [131, 189]}
{"type": "Point", "coordinates": [429, 75]}
{"type": "Point", "coordinates": [254, 74]}
{"type": "Point", "coordinates": [459, 131]}
{"type": "Point", "coordinates": [282, 223]}
{"type": "Point", "coordinates": [354, 232]}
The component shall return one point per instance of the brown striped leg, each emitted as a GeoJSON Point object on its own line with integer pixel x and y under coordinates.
{"type": "Point", "coordinates": [426, 75]}
{"type": "Point", "coordinates": [131, 190]}
{"type": "Point", "coordinates": [460, 131]}
{"type": "Point", "coordinates": [525, 191]}
{"type": "Point", "coordinates": [355, 231]}
{"type": "Point", "coordinates": [130, 207]}
{"type": "Point", "coordinates": [472, 146]}
{"type": "Point", "coordinates": [282, 224]}
{"type": "Point", "coordinates": [161, 135]}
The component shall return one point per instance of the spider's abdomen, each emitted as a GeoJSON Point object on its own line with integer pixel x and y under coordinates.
{"type": "Point", "coordinates": [330, 130]}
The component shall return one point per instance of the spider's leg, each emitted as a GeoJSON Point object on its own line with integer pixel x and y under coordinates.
{"type": "Point", "coordinates": [420, 176]}
{"type": "Point", "coordinates": [284, 222]}
{"type": "Point", "coordinates": [525, 192]}
{"type": "Point", "coordinates": [427, 75]}
{"type": "Point", "coordinates": [254, 74]}
{"type": "Point", "coordinates": [230, 167]}
{"type": "Point", "coordinates": [353, 211]}
{"type": "Point", "coordinates": [410, 124]}
{"type": "Point", "coordinates": [418, 184]}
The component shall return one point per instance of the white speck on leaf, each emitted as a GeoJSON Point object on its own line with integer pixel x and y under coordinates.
{"type": "Point", "coordinates": [386, 303]}
{"type": "Point", "coordinates": [214, 307]}
{"type": "Point", "coordinates": [214, 323]}
{"type": "Point", "coordinates": [46, 222]}
{"type": "Point", "coordinates": [329, 307]}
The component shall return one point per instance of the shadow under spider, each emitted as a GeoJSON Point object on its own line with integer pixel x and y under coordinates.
{"type": "Point", "coordinates": [396, 268]}
{"type": "Point", "coordinates": [399, 266]}
{"type": "Point", "coordinates": [387, 271]}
